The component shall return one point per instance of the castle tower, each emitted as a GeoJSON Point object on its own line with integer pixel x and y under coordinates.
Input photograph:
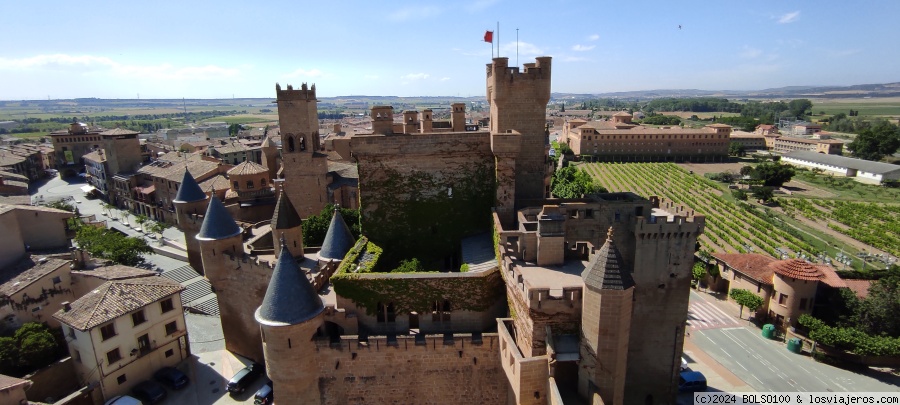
{"type": "Point", "coordinates": [338, 239]}
{"type": "Point", "coordinates": [458, 117]}
{"type": "Point", "coordinates": [289, 317]}
{"type": "Point", "coordinates": [663, 257]}
{"type": "Point", "coordinates": [270, 157]}
{"type": "Point", "coordinates": [190, 203]}
{"type": "Point", "coordinates": [220, 243]}
{"type": "Point", "coordinates": [286, 225]}
{"type": "Point", "coordinates": [382, 119]}
{"type": "Point", "coordinates": [427, 122]}
{"type": "Point", "coordinates": [605, 325]}
{"type": "Point", "coordinates": [518, 104]}
{"type": "Point", "coordinates": [410, 121]}
{"type": "Point", "coordinates": [305, 169]}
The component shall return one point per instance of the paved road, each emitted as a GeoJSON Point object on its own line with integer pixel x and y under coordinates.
{"type": "Point", "coordinates": [767, 366]}
{"type": "Point", "coordinates": [703, 314]}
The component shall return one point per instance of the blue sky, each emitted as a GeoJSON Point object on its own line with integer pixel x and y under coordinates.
{"type": "Point", "coordinates": [216, 49]}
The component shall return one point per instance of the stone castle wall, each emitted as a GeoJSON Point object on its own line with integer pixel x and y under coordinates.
{"type": "Point", "coordinates": [435, 370]}
{"type": "Point", "coordinates": [423, 193]}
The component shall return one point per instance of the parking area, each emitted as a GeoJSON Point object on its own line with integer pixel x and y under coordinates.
{"type": "Point", "coordinates": [209, 372]}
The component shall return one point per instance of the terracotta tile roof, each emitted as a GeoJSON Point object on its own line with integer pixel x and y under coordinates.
{"type": "Point", "coordinates": [116, 272]}
{"type": "Point", "coordinates": [830, 277]}
{"type": "Point", "coordinates": [797, 268]}
{"type": "Point", "coordinates": [7, 382]}
{"type": "Point", "coordinates": [247, 167]}
{"type": "Point", "coordinates": [39, 208]}
{"type": "Point", "coordinates": [17, 277]}
{"type": "Point", "coordinates": [116, 298]}
{"type": "Point", "coordinates": [753, 265]}
{"type": "Point", "coordinates": [860, 287]}
{"type": "Point", "coordinates": [119, 131]}
{"type": "Point", "coordinates": [215, 183]}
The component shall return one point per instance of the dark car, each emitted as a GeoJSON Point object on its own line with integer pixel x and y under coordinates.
{"type": "Point", "coordinates": [691, 381]}
{"type": "Point", "coordinates": [265, 395]}
{"type": "Point", "coordinates": [171, 377]}
{"type": "Point", "coordinates": [150, 392]}
{"type": "Point", "coordinates": [243, 378]}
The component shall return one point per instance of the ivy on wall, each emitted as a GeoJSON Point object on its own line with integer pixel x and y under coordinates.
{"type": "Point", "coordinates": [426, 215]}
{"type": "Point", "coordinates": [412, 292]}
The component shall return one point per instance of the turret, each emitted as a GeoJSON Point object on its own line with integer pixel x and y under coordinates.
{"type": "Point", "coordinates": [427, 122]}
{"type": "Point", "coordinates": [190, 204]}
{"type": "Point", "coordinates": [270, 157]}
{"type": "Point", "coordinates": [605, 324]}
{"type": "Point", "coordinates": [305, 170]}
{"type": "Point", "coordinates": [458, 117]}
{"type": "Point", "coordinates": [338, 239]}
{"type": "Point", "coordinates": [410, 122]}
{"type": "Point", "coordinates": [289, 317]}
{"type": "Point", "coordinates": [286, 225]}
{"type": "Point", "coordinates": [221, 246]}
{"type": "Point", "coordinates": [382, 120]}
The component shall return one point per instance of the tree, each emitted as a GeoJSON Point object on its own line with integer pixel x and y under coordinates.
{"type": "Point", "coordinates": [745, 298]}
{"type": "Point", "coordinates": [876, 142]}
{"type": "Point", "coordinates": [800, 107]}
{"type": "Point", "coordinates": [877, 313]}
{"type": "Point", "coordinates": [112, 245]}
{"type": "Point", "coordinates": [736, 149]}
{"type": "Point", "coordinates": [140, 219]}
{"type": "Point", "coordinates": [698, 272]}
{"type": "Point", "coordinates": [739, 195]}
{"type": "Point", "coordinates": [36, 346]}
{"type": "Point", "coordinates": [746, 171]}
{"type": "Point", "coordinates": [9, 356]}
{"type": "Point", "coordinates": [773, 174]}
{"type": "Point", "coordinates": [572, 182]}
{"type": "Point", "coordinates": [158, 227]}
{"type": "Point", "coordinates": [315, 227]}
{"type": "Point", "coordinates": [763, 194]}
{"type": "Point", "coordinates": [108, 208]}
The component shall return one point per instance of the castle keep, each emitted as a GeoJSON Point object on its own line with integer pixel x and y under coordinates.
{"type": "Point", "coordinates": [469, 283]}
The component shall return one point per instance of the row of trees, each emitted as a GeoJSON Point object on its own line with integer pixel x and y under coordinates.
{"type": "Point", "coordinates": [876, 141]}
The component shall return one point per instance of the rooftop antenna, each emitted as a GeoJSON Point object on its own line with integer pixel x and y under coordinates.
{"type": "Point", "coordinates": [498, 39]}
{"type": "Point", "coordinates": [517, 47]}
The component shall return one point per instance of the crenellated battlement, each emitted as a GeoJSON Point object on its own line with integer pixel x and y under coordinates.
{"type": "Point", "coordinates": [250, 261]}
{"type": "Point", "coordinates": [444, 342]}
{"type": "Point", "coordinates": [304, 93]}
{"type": "Point", "coordinates": [538, 70]}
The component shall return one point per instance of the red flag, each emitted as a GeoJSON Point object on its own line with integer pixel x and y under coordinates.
{"type": "Point", "coordinates": [489, 36]}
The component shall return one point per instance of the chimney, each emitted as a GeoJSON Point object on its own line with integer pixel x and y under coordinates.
{"type": "Point", "coordinates": [66, 306]}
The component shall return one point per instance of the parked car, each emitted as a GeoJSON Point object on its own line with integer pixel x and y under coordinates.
{"type": "Point", "coordinates": [692, 381]}
{"type": "Point", "coordinates": [172, 377]}
{"type": "Point", "coordinates": [150, 392]}
{"type": "Point", "coordinates": [684, 364]}
{"type": "Point", "coordinates": [265, 395]}
{"type": "Point", "coordinates": [123, 400]}
{"type": "Point", "coordinates": [243, 378]}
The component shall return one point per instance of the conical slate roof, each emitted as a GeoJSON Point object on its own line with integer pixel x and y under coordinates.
{"type": "Point", "coordinates": [607, 270]}
{"type": "Point", "coordinates": [290, 298]}
{"type": "Point", "coordinates": [338, 239]}
{"type": "Point", "coordinates": [285, 216]}
{"type": "Point", "coordinates": [189, 191]}
{"type": "Point", "coordinates": [217, 224]}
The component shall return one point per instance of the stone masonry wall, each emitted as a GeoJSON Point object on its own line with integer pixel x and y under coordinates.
{"type": "Point", "coordinates": [433, 372]}
{"type": "Point", "coordinates": [421, 194]}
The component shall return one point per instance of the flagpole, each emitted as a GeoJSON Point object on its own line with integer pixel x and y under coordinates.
{"type": "Point", "coordinates": [498, 39]}
{"type": "Point", "coordinates": [517, 47]}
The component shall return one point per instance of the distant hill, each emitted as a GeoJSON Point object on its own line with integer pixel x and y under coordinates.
{"type": "Point", "coordinates": [855, 91]}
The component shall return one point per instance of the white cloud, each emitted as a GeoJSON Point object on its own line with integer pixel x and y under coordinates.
{"type": "Point", "coordinates": [582, 48]}
{"type": "Point", "coordinates": [303, 74]}
{"type": "Point", "coordinates": [789, 17]}
{"type": "Point", "coordinates": [90, 64]}
{"type": "Point", "coordinates": [415, 76]}
{"type": "Point", "coordinates": [593, 37]}
{"type": "Point", "coordinates": [750, 53]}
{"type": "Point", "coordinates": [410, 12]}
{"type": "Point", "coordinates": [444, 79]}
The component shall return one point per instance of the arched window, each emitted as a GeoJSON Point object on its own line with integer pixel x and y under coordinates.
{"type": "Point", "coordinates": [262, 182]}
{"type": "Point", "coordinates": [302, 143]}
{"type": "Point", "coordinates": [237, 185]}
{"type": "Point", "coordinates": [249, 183]}
{"type": "Point", "coordinates": [290, 144]}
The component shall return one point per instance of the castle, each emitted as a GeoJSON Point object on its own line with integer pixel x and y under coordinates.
{"type": "Point", "coordinates": [536, 301]}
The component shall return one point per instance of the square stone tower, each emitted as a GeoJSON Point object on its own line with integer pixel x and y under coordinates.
{"type": "Point", "coordinates": [305, 169]}
{"type": "Point", "coordinates": [518, 104]}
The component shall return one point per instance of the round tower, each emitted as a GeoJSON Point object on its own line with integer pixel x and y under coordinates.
{"type": "Point", "coordinates": [289, 318]}
{"type": "Point", "coordinates": [795, 283]}
{"type": "Point", "coordinates": [286, 225]}
{"type": "Point", "coordinates": [190, 203]}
